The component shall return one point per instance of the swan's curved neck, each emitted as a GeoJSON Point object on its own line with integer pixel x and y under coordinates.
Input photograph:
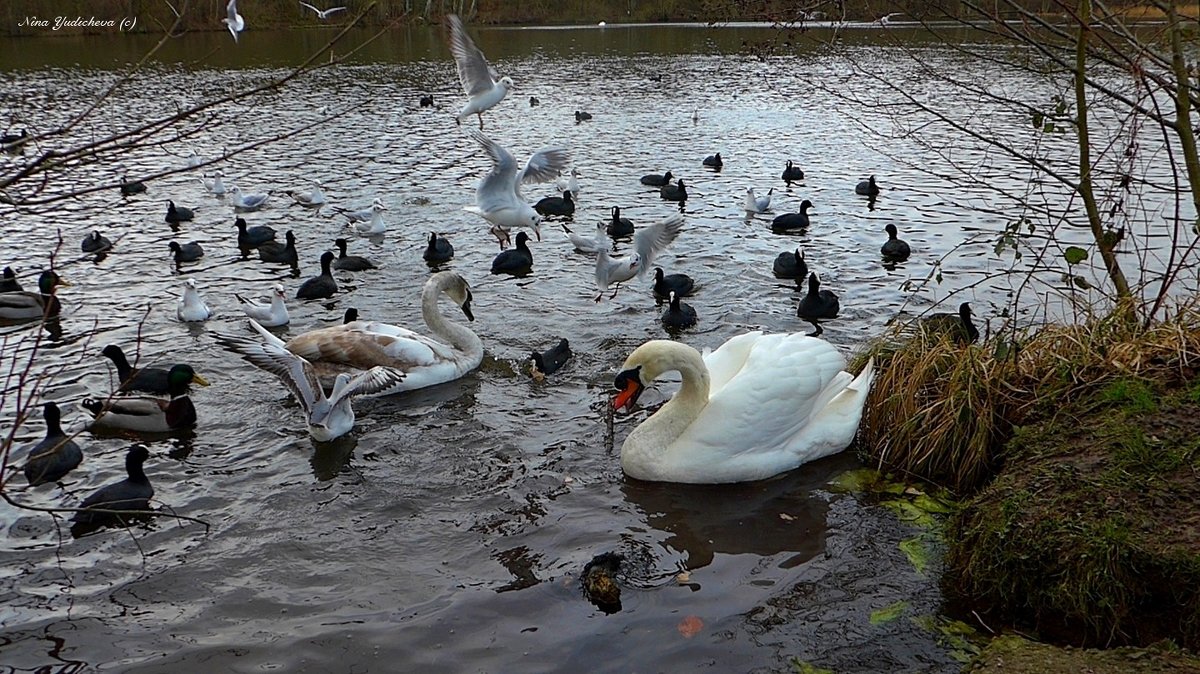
{"type": "Point", "coordinates": [681, 410]}
{"type": "Point", "coordinates": [459, 336]}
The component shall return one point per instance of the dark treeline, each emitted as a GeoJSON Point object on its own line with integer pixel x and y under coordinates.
{"type": "Point", "coordinates": [21, 17]}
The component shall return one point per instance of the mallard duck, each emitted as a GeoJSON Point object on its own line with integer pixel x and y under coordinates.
{"type": "Point", "coordinates": [55, 455]}
{"type": "Point", "coordinates": [451, 352]}
{"type": "Point", "coordinates": [147, 414]}
{"type": "Point", "coordinates": [23, 304]}
{"type": "Point", "coordinates": [894, 248]}
{"type": "Point", "coordinates": [322, 285]}
{"type": "Point", "coordinates": [272, 314]}
{"type": "Point", "coordinates": [9, 282]}
{"type": "Point", "coordinates": [147, 379]}
{"type": "Point", "coordinates": [758, 406]}
{"type": "Point", "coordinates": [867, 187]}
{"type": "Point", "coordinates": [327, 417]}
{"type": "Point", "coordinates": [191, 307]}
{"type": "Point", "coordinates": [132, 493]}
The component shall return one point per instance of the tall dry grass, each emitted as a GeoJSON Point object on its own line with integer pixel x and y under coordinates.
{"type": "Point", "coordinates": [943, 412]}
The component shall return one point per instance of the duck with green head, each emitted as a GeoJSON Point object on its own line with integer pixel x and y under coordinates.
{"type": "Point", "coordinates": [148, 414]}
{"type": "Point", "coordinates": [24, 304]}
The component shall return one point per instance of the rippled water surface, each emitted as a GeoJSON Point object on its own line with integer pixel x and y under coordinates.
{"type": "Point", "coordinates": [448, 531]}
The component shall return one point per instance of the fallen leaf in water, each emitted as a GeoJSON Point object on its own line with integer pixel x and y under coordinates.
{"type": "Point", "coordinates": [786, 517]}
{"type": "Point", "coordinates": [683, 578]}
{"type": "Point", "coordinates": [690, 626]}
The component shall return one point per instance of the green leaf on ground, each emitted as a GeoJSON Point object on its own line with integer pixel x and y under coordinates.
{"type": "Point", "coordinates": [802, 667]}
{"type": "Point", "coordinates": [888, 613]}
{"type": "Point", "coordinates": [917, 552]}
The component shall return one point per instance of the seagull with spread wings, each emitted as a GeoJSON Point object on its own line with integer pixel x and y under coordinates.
{"type": "Point", "coordinates": [323, 14]}
{"type": "Point", "coordinates": [233, 20]}
{"type": "Point", "coordinates": [498, 198]}
{"type": "Point", "coordinates": [484, 86]}
{"type": "Point", "coordinates": [328, 417]}
{"type": "Point", "coordinates": [648, 242]}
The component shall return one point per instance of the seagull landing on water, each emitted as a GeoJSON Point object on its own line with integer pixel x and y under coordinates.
{"type": "Point", "coordinates": [484, 86]}
{"type": "Point", "coordinates": [498, 198]}
{"type": "Point", "coordinates": [647, 244]}
{"type": "Point", "coordinates": [323, 14]}
{"type": "Point", "coordinates": [233, 21]}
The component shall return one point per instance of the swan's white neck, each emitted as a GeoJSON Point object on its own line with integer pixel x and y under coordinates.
{"type": "Point", "coordinates": [457, 335]}
{"type": "Point", "coordinates": [650, 441]}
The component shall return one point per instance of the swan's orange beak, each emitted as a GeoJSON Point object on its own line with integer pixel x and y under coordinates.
{"type": "Point", "coordinates": [630, 384]}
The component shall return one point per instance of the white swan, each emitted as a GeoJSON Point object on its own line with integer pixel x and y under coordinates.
{"type": "Point", "coordinates": [755, 203]}
{"type": "Point", "coordinates": [271, 315]}
{"type": "Point", "coordinates": [327, 417]}
{"type": "Point", "coordinates": [452, 352]}
{"type": "Point", "coordinates": [758, 406]}
{"type": "Point", "coordinates": [191, 306]}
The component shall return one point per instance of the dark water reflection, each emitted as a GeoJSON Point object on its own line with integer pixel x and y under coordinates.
{"type": "Point", "coordinates": [448, 532]}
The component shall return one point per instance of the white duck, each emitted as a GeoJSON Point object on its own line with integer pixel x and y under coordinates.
{"type": "Point", "coordinates": [498, 198]}
{"type": "Point", "coordinates": [214, 185]}
{"type": "Point", "coordinates": [327, 417]}
{"type": "Point", "coordinates": [247, 202]}
{"type": "Point", "coordinates": [273, 314]}
{"type": "Point", "coordinates": [191, 306]}
{"type": "Point", "coordinates": [648, 242]}
{"type": "Point", "coordinates": [758, 406]}
{"type": "Point", "coordinates": [482, 84]}
{"type": "Point", "coordinates": [569, 183]}
{"type": "Point", "coordinates": [757, 204]}
{"type": "Point", "coordinates": [375, 225]}
{"type": "Point", "coordinates": [451, 352]}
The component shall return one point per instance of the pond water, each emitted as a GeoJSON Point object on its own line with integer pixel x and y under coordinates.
{"type": "Point", "coordinates": [449, 530]}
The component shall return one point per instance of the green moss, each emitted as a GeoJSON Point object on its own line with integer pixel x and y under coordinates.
{"type": "Point", "coordinates": [1132, 395]}
{"type": "Point", "coordinates": [1014, 655]}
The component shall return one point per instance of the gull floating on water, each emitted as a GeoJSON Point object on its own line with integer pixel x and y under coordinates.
{"type": "Point", "coordinates": [498, 198]}
{"type": "Point", "coordinates": [191, 307]}
{"type": "Point", "coordinates": [327, 417]}
{"type": "Point", "coordinates": [569, 183]}
{"type": "Point", "coordinates": [214, 185]}
{"type": "Point", "coordinates": [484, 86]}
{"type": "Point", "coordinates": [313, 198]}
{"type": "Point", "coordinates": [755, 203]}
{"type": "Point", "coordinates": [375, 225]}
{"type": "Point", "coordinates": [647, 244]}
{"type": "Point", "coordinates": [273, 314]}
{"type": "Point", "coordinates": [233, 20]}
{"type": "Point", "coordinates": [364, 214]}
{"type": "Point", "coordinates": [247, 202]}
{"type": "Point", "coordinates": [323, 14]}
{"type": "Point", "coordinates": [593, 244]}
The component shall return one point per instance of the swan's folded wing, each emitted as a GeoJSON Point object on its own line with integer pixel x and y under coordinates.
{"type": "Point", "coordinates": [351, 345]}
{"type": "Point", "coordinates": [770, 400]}
{"type": "Point", "coordinates": [724, 363]}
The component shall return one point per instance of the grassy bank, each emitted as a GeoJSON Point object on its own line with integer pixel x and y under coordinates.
{"type": "Point", "coordinates": [1077, 448]}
